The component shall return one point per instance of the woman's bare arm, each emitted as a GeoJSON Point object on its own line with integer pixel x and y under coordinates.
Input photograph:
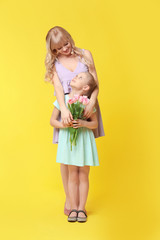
{"type": "Point", "coordinates": [94, 73]}
{"type": "Point", "coordinates": [56, 123]}
{"type": "Point", "coordinates": [59, 91]}
{"type": "Point", "coordinates": [66, 115]}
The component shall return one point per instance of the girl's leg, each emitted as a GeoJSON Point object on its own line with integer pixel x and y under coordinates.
{"type": "Point", "coordinates": [65, 174]}
{"type": "Point", "coordinates": [73, 184]}
{"type": "Point", "coordinates": [83, 188]}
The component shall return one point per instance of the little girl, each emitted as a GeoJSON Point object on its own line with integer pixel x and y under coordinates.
{"type": "Point", "coordinates": [84, 154]}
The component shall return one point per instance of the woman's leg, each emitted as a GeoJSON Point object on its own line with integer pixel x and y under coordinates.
{"type": "Point", "coordinates": [65, 174]}
{"type": "Point", "coordinates": [73, 184]}
{"type": "Point", "coordinates": [83, 188]}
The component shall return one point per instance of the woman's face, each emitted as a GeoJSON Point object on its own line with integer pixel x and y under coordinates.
{"type": "Point", "coordinates": [65, 49]}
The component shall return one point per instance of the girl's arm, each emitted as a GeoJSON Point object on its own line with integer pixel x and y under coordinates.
{"type": "Point", "coordinates": [53, 121]}
{"type": "Point", "coordinates": [92, 124]}
{"type": "Point", "coordinates": [66, 115]}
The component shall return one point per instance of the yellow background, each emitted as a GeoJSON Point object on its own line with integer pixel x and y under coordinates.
{"type": "Point", "coordinates": [124, 197]}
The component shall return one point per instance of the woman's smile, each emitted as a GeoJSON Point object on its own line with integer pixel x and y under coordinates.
{"type": "Point", "coordinates": [66, 51]}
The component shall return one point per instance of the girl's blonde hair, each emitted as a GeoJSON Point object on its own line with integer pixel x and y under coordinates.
{"type": "Point", "coordinates": [56, 38]}
{"type": "Point", "coordinates": [91, 83]}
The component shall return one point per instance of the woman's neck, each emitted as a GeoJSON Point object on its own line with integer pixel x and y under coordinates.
{"type": "Point", "coordinates": [62, 56]}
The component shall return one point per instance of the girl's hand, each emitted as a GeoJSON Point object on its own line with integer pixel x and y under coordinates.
{"type": "Point", "coordinates": [67, 125]}
{"type": "Point", "coordinates": [78, 123]}
{"type": "Point", "coordinates": [66, 116]}
{"type": "Point", "coordinates": [88, 110]}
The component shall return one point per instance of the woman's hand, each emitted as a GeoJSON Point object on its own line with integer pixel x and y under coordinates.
{"type": "Point", "coordinates": [78, 123]}
{"type": "Point", "coordinates": [66, 116]}
{"type": "Point", "coordinates": [88, 110]}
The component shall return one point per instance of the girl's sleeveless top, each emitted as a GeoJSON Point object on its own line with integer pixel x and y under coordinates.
{"type": "Point", "coordinates": [65, 77]}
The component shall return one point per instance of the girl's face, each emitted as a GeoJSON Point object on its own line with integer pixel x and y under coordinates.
{"type": "Point", "coordinates": [79, 81]}
{"type": "Point", "coordinates": [65, 49]}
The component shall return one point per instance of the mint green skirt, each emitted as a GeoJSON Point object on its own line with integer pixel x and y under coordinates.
{"type": "Point", "coordinates": [85, 151]}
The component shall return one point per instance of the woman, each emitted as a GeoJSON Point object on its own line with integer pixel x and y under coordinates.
{"type": "Point", "coordinates": [63, 62]}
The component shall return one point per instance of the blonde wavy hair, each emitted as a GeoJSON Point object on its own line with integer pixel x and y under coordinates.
{"type": "Point", "coordinates": [91, 82]}
{"type": "Point", "coordinates": [56, 38]}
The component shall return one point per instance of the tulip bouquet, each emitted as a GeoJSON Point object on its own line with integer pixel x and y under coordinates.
{"type": "Point", "coordinates": [76, 106]}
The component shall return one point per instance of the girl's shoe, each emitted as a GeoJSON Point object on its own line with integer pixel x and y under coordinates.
{"type": "Point", "coordinates": [82, 219]}
{"type": "Point", "coordinates": [72, 219]}
{"type": "Point", "coordinates": [66, 211]}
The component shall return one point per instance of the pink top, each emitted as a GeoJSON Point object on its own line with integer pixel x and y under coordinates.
{"type": "Point", "coordinates": [65, 77]}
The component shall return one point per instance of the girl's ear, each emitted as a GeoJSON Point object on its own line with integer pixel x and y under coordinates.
{"type": "Point", "coordinates": [86, 88]}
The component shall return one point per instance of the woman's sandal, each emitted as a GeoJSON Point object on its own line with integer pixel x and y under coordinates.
{"type": "Point", "coordinates": [82, 219]}
{"type": "Point", "coordinates": [72, 219]}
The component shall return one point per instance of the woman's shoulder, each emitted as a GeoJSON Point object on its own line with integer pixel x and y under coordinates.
{"type": "Point", "coordinates": [83, 50]}
{"type": "Point", "coordinates": [87, 52]}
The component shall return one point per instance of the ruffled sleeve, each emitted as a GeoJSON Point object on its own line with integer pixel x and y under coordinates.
{"type": "Point", "coordinates": [56, 104]}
